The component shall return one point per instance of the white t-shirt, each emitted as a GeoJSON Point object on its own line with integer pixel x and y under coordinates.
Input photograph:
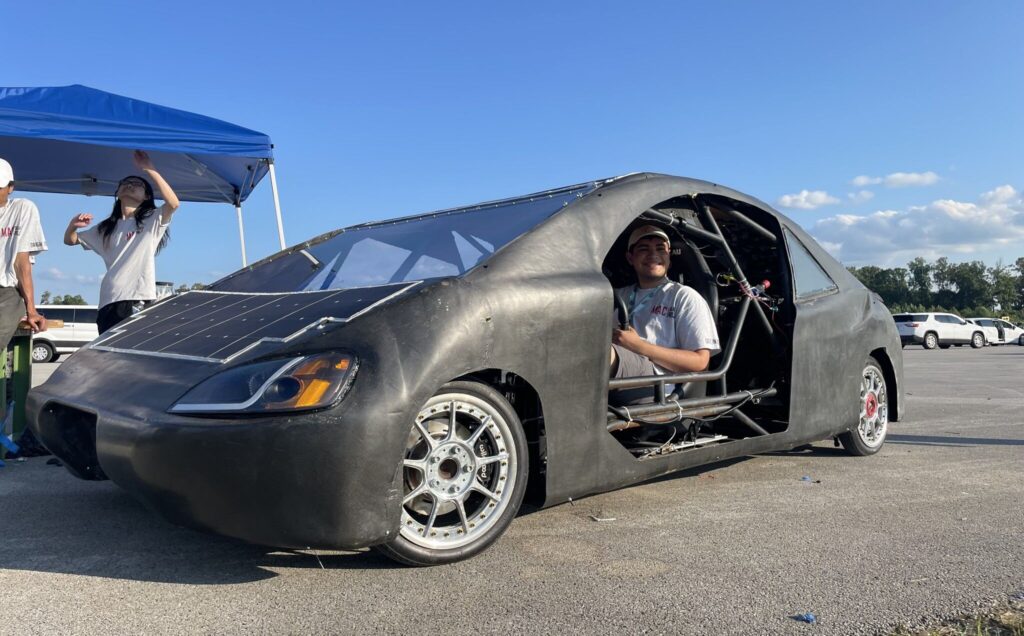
{"type": "Point", "coordinates": [671, 315]}
{"type": "Point", "coordinates": [130, 256]}
{"type": "Point", "coordinates": [19, 232]}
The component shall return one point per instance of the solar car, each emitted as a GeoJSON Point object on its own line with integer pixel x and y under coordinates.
{"type": "Point", "coordinates": [409, 384]}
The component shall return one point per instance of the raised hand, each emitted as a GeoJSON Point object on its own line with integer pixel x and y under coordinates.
{"type": "Point", "coordinates": [81, 220]}
{"type": "Point", "coordinates": [142, 160]}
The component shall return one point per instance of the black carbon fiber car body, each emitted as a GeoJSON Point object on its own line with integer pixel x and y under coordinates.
{"type": "Point", "coordinates": [535, 315]}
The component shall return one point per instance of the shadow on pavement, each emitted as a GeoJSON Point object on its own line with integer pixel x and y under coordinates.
{"type": "Point", "coordinates": [55, 523]}
{"type": "Point", "coordinates": [935, 440]}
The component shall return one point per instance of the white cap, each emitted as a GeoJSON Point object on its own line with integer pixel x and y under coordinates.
{"type": "Point", "coordinates": [6, 174]}
{"type": "Point", "coordinates": [645, 231]}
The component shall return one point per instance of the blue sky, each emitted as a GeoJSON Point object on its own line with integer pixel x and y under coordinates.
{"type": "Point", "coordinates": [380, 111]}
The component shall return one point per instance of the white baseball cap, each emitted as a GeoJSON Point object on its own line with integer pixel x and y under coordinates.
{"type": "Point", "coordinates": [645, 231]}
{"type": "Point", "coordinates": [6, 174]}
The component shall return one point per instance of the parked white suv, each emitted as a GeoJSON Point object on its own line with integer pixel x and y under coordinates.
{"type": "Point", "coordinates": [999, 331]}
{"type": "Point", "coordinates": [938, 330]}
{"type": "Point", "coordinates": [79, 329]}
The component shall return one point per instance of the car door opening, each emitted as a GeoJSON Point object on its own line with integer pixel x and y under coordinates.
{"type": "Point", "coordinates": [733, 255]}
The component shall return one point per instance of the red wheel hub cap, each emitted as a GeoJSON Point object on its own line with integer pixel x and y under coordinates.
{"type": "Point", "coordinates": [870, 405]}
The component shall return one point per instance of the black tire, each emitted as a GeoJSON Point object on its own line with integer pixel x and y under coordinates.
{"type": "Point", "coordinates": [931, 340]}
{"type": "Point", "coordinates": [42, 351]}
{"type": "Point", "coordinates": [443, 464]}
{"type": "Point", "coordinates": [977, 340]}
{"type": "Point", "coordinates": [944, 346]}
{"type": "Point", "coordinates": [1020, 341]}
{"type": "Point", "coordinates": [873, 424]}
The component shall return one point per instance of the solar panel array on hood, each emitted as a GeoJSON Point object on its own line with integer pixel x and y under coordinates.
{"type": "Point", "coordinates": [219, 325]}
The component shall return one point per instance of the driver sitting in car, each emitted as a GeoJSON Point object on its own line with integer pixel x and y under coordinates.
{"type": "Point", "coordinates": [671, 327]}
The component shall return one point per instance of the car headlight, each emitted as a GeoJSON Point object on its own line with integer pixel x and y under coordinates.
{"type": "Point", "coordinates": [292, 384]}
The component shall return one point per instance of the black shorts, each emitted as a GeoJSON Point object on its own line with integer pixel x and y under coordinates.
{"type": "Point", "coordinates": [113, 313]}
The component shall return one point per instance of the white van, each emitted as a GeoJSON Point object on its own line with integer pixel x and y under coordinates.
{"type": "Point", "coordinates": [79, 328]}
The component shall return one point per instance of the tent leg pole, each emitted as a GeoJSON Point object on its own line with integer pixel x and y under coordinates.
{"type": "Point", "coordinates": [277, 205]}
{"type": "Point", "coordinates": [241, 233]}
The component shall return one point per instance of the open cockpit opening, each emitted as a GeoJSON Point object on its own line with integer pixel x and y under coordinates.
{"type": "Point", "coordinates": [733, 255]}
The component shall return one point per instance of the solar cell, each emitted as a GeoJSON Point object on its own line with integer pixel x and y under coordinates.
{"type": "Point", "coordinates": [219, 325]}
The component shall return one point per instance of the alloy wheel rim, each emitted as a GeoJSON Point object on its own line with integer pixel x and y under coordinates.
{"type": "Point", "coordinates": [458, 470]}
{"type": "Point", "coordinates": [874, 407]}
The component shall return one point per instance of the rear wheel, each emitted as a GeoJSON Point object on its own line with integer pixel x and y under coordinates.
{"type": "Point", "coordinates": [931, 340]}
{"type": "Point", "coordinates": [1020, 341]}
{"type": "Point", "coordinates": [464, 471]}
{"type": "Point", "coordinates": [873, 425]}
{"type": "Point", "coordinates": [42, 351]}
{"type": "Point", "coordinates": [977, 340]}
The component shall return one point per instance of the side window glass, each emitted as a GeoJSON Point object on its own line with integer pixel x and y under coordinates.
{"type": "Point", "coordinates": [810, 279]}
{"type": "Point", "coordinates": [85, 315]}
{"type": "Point", "coordinates": [58, 314]}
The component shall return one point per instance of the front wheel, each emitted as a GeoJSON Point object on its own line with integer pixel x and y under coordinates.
{"type": "Point", "coordinates": [42, 351]}
{"type": "Point", "coordinates": [873, 426]}
{"type": "Point", "coordinates": [464, 472]}
{"type": "Point", "coordinates": [977, 340]}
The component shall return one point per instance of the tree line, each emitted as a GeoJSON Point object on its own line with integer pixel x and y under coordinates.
{"type": "Point", "coordinates": [46, 298]}
{"type": "Point", "coordinates": [968, 289]}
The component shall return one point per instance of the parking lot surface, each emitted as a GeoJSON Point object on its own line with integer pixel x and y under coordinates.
{"type": "Point", "coordinates": [930, 527]}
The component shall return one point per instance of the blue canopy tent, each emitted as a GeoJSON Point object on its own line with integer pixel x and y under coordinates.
{"type": "Point", "coordinates": [79, 140]}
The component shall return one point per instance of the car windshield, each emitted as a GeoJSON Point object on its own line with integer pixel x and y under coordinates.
{"type": "Point", "coordinates": [910, 318]}
{"type": "Point", "coordinates": [440, 244]}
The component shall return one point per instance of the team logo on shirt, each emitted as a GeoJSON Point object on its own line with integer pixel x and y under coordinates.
{"type": "Point", "coordinates": [14, 230]}
{"type": "Point", "coordinates": [664, 310]}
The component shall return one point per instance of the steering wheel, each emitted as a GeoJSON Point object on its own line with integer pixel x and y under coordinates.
{"type": "Point", "coordinates": [621, 311]}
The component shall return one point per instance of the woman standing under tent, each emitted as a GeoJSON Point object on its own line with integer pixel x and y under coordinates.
{"type": "Point", "coordinates": [128, 241]}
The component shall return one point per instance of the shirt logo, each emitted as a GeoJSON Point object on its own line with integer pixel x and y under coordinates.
{"type": "Point", "coordinates": [664, 310]}
{"type": "Point", "coordinates": [129, 236]}
{"type": "Point", "coordinates": [10, 231]}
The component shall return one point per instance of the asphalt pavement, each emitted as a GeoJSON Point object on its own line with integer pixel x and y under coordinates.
{"type": "Point", "coordinates": [928, 528]}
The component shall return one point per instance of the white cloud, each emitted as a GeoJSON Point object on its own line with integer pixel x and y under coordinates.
{"type": "Point", "coordinates": [944, 226]}
{"type": "Point", "coordinates": [864, 180]}
{"type": "Point", "coordinates": [897, 179]}
{"type": "Point", "coordinates": [908, 179]}
{"type": "Point", "coordinates": [807, 199]}
{"type": "Point", "coordinates": [1002, 194]}
{"type": "Point", "coordinates": [56, 274]}
{"type": "Point", "coordinates": [861, 196]}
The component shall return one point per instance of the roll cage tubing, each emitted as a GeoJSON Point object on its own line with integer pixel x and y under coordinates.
{"type": "Point", "coordinates": [700, 406]}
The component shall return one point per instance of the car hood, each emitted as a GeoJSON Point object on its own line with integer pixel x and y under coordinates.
{"type": "Point", "coordinates": [219, 327]}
